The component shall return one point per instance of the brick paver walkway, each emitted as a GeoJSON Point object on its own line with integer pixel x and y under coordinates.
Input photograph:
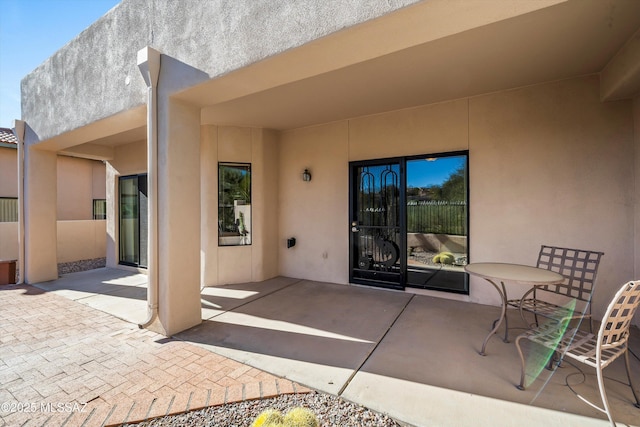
{"type": "Point", "coordinates": [66, 364]}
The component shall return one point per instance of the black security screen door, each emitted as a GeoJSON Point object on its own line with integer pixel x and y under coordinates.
{"type": "Point", "coordinates": [409, 222]}
{"type": "Point", "coordinates": [375, 224]}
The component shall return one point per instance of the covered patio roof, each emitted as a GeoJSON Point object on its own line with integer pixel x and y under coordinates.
{"type": "Point", "coordinates": [426, 53]}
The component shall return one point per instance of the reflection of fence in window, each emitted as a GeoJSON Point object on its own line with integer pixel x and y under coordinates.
{"type": "Point", "coordinates": [8, 209]}
{"type": "Point", "coordinates": [439, 217]}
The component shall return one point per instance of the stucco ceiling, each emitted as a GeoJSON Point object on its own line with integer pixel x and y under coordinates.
{"type": "Point", "coordinates": [122, 138]}
{"type": "Point", "coordinates": [577, 37]}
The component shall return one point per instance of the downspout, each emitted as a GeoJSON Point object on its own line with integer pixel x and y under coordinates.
{"type": "Point", "coordinates": [149, 65]}
{"type": "Point", "coordinates": [18, 130]}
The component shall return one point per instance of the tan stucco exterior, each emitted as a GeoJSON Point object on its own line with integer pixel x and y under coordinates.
{"type": "Point", "coordinates": [258, 261]}
{"type": "Point", "coordinates": [79, 181]}
{"type": "Point", "coordinates": [550, 120]}
{"type": "Point", "coordinates": [80, 240]}
{"type": "Point", "coordinates": [532, 150]}
{"type": "Point", "coordinates": [8, 172]}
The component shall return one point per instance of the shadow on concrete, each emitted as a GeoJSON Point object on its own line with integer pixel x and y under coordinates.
{"type": "Point", "coordinates": [412, 356]}
{"type": "Point", "coordinates": [352, 340]}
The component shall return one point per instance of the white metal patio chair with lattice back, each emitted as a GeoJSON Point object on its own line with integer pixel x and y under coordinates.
{"type": "Point", "coordinates": [580, 268]}
{"type": "Point", "coordinates": [597, 351]}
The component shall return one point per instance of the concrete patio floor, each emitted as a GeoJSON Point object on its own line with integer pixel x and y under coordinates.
{"type": "Point", "coordinates": [411, 356]}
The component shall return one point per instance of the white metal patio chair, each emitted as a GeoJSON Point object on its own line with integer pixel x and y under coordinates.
{"type": "Point", "coordinates": [580, 268]}
{"type": "Point", "coordinates": [597, 351]}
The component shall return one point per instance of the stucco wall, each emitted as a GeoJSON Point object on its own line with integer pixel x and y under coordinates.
{"type": "Point", "coordinates": [429, 129]}
{"type": "Point", "coordinates": [315, 212]}
{"type": "Point", "coordinates": [98, 180]}
{"type": "Point", "coordinates": [8, 172]}
{"type": "Point", "coordinates": [258, 261]}
{"type": "Point", "coordinates": [220, 37]}
{"type": "Point", "coordinates": [128, 159]}
{"type": "Point", "coordinates": [8, 240]}
{"type": "Point", "coordinates": [549, 164]}
{"type": "Point", "coordinates": [79, 240]}
{"type": "Point", "coordinates": [79, 182]}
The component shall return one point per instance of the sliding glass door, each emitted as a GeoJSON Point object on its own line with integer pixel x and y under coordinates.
{"type": "Point", "coordinates": [437, 222]}
{"type": "Point", "coordinates": [409, 222]}
{"type": "Point", "coordinates": [133, 220]}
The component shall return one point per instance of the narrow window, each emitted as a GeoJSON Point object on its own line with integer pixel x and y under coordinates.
{"type": "Point", "coordinates": [99, 209]}
{"type": "Point", "coordinates": [234, 204]}
{"type": "Point", "coordinates": [8, 209]}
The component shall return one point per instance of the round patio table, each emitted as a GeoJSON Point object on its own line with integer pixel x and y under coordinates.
{"type": "Point", "coordinates": [518, 274]}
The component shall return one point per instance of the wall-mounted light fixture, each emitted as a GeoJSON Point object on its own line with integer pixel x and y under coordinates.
{"type": "Point", "coordinates": [306, 175]}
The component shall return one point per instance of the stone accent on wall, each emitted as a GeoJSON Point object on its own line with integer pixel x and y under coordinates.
{"type": "Point", "coordinates": [82, 265]}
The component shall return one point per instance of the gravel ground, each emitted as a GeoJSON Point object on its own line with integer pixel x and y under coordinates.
{"type": "Point", "coordinates": [331, 411]}
{"type": "Point", "coordinates": [83, 265]}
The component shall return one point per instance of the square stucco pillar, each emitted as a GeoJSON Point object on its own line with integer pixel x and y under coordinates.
{"type": "Point", "coordinates": [178, 216]}
{"type": "Point", "coordinates": [40, 226]}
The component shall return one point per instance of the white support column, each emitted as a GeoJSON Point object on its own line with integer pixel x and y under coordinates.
{"type": "Point", "coordinates": [173, 151]}
{"type": "Point", "coordinates": [178, 215]}
{"type": "Point", "coordinates": [40, 215]}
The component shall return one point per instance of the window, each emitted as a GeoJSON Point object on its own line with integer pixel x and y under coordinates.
{"type": "Point", "coordinates": [99, 209]}
{"type": "Point", "coordinates": [234, 204]}
{"type": "Point", "coordinates": [133, 220]}
{"type": "Point", "coordinates": [8, 209]}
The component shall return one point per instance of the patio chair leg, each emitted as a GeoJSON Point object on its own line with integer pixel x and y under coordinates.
{"type": "Point", "coordinates": [522, 364]}
{"type": "Point", "coordinates": [633, 390]}
{"type": "Point", "coordinates": [550, 363]}
{"type": "Point", "coordinates": [506, 327]}
{"type": "Point", "coordinates": [506, 317]}
{"type": "Point", "coordinates": [603, 396]}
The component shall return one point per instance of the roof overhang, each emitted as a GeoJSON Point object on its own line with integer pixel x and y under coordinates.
{"type": "Point", "coordinates": [430, 52]}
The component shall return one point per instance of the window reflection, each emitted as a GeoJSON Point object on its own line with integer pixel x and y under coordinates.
{"type": "Point", "coordinates": [437, 212]}
{"type": "Point", "coordinates": [234, 204]}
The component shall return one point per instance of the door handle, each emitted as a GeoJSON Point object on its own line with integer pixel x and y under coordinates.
{"type": "Point", "coordinates": [354, 227]}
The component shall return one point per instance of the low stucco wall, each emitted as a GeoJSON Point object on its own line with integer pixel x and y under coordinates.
{"type": "Point", "coordinates": [79, 240]}
{"type": "Point", "coordinates": [8, 240]}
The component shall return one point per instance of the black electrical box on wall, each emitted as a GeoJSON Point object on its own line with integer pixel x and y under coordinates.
{"type": "Point", "coordinates": [291, 242]}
